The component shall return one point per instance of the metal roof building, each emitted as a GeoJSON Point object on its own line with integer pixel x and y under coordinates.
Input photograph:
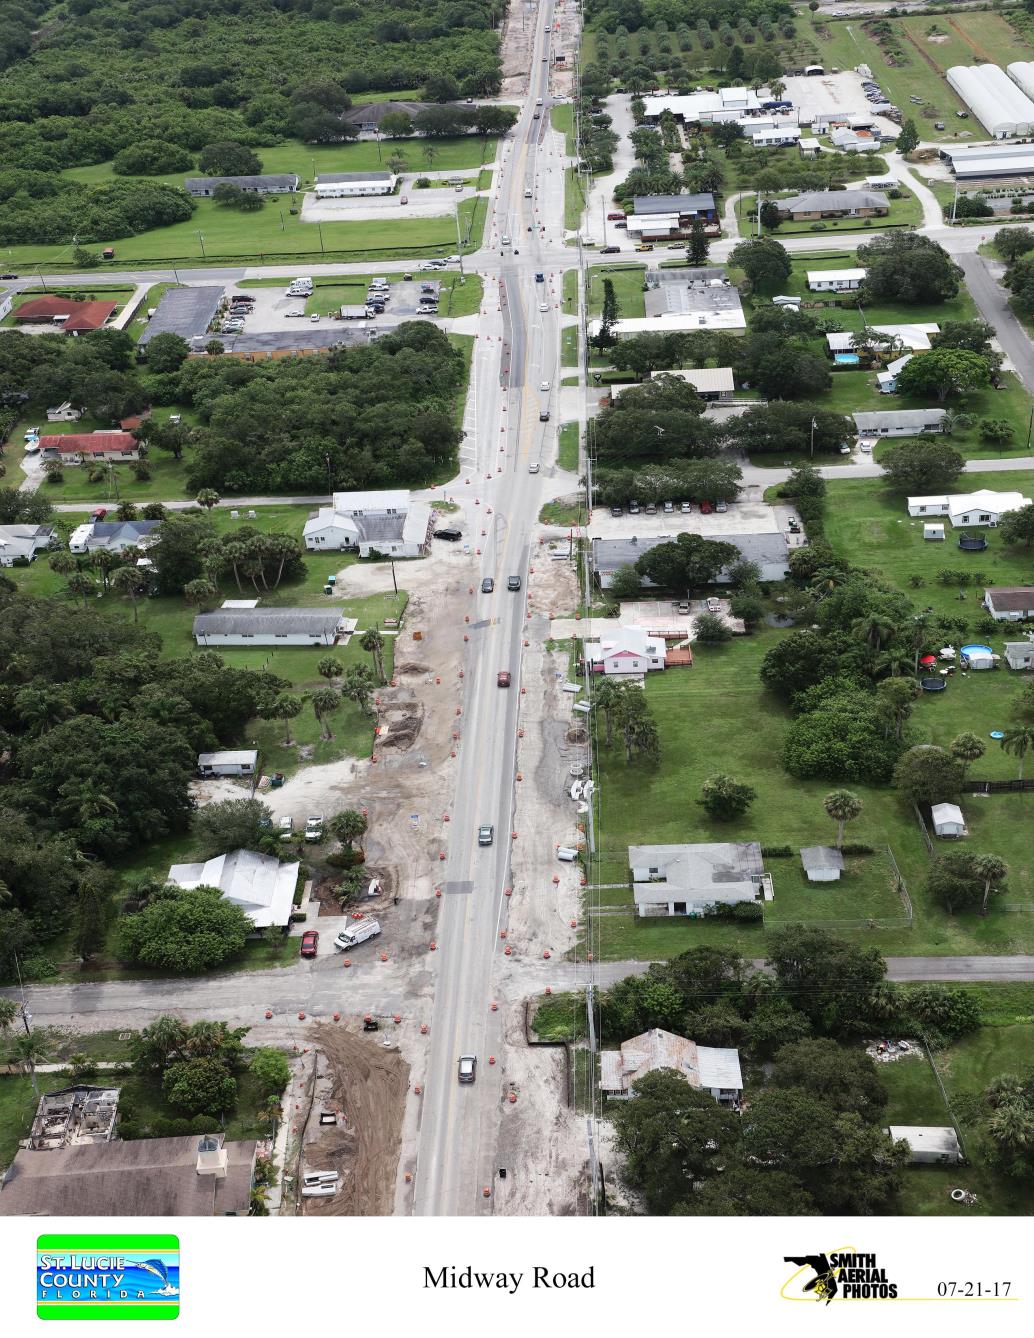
{"type": "Point", "coordinates": [990, 160]}
{"type": "Point", "coordinates": [1021, 72]}
{"type": "Point", "coordinates": [993, 98]}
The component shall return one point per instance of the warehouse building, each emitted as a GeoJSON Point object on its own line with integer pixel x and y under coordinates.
{"type": "Point", "coordinates": [1021, 72]}
{"type": "Point", "coordinates": [974, 162]}
{"type": "Point", "coordinates": [994, 99]}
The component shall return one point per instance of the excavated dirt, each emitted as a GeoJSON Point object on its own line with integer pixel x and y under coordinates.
{"type": "Point", "coordinates": [367, 1083]}
{"type": "Point", "coordinates": [515, 48]}
{"type": "Point", "coordinates": [401, 726]}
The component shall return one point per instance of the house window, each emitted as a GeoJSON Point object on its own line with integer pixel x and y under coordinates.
{"type": "Point", "coordinates": [984, 517]}
{"type": "Point", "coordinates": [922, 509]}
{"type": "Point", "coordinates": [679, 907]}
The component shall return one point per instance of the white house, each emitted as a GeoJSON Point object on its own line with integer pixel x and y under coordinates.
{"type": "Point", "coordinates": [334, 185]}
{"type": "Point", "coordinates": [913, 335]}
{"type": "Point", "coordinates": [259, 884]}
{"type": "Point", "coordinates": [229, 626]}
{"type": "Point", "coordinates": [18, 542]}
{"type": "Point", "coordinates": [629, 650]}
{"type": "Point", "coordinates": [835, 280]}
{"type": "Point", "coordinates": [64, 413]}
{"type": "Point", "coordinates": [113, 535]}
{"type": "Point", "coordinates": [727, 104]}
{"type": "Point", "coordinates": [241, 762]}
{"type": "Point", "coordinates": [887, 380]}
{"type": "Point", "coordinates": [854, 141]}
{"type": "Point", "coordinates": [1010, 603]}
{"type": "Point", "coordinates": [929, 1143]}
{"type": "Point", "coordinates": [822, 864]}
{"type": "Point", "coordinates": [983, 507]}
{"type": "Point", "coordinates": [1019, 654]}
{"type": "Point", "coordinates": [899, 422]}
{"type": "Point", "coordinates": [707, 1068]}
{"type": "Point", "coordinates": [690, 879]}
{"type": "Point", "coordinates": [385, 522]}
{"type": "Point", "coordinates": [948, 820]}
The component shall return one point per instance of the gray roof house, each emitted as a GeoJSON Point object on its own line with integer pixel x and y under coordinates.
{"type": "Point", "coordinates": [689, 879]}
{"type": "Point", "coordinates": [369, 115]}
{"type": "Point", "coordinates": [674, 204]}
{"type": "Point", "coordinates": [272, 184]}
{"type": "Point", "coordinates": [259, 884]}
{"type": "Point", "coordinates": [387, 522]}
{"type": "Point", "coordinates": [272, 627]}
{"type": "Point", "coordinates": [1019, 654]}
{"type": "Point", "coordinates": [144, 1177]}
{"type": "Point", "coordinates": [821, 203]}
{"type": "Point", "coordinates": [23, 542]}
{"type": "Point", "coordinates": [233, 762]}
{"type": "Point", "coordinates": [899, 422]}
{"type": "Point", "coordinates": [112, 535]}
{"type": "Point", "coordinates": [822, 864]}
{"type": "Point", "coordinates": [769, 551]}
{"type": "Point", "coordinates": [707, 1068]}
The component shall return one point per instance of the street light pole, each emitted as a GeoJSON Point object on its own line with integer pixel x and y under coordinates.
{"type": "Point", "coordinates": [459, 243]}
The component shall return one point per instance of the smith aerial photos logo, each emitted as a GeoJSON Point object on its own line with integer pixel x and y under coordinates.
{"type": "Point", "coordinates": [107, 1277]}
{"type": "Point", "coordinates": [843, 1275]}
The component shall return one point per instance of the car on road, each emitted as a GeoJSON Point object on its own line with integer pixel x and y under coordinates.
{"type": "Point", "coordinates": [315, 316]}
{"type": "Point", "coordinates": [543, 385]}
{"type": "Point", "coordinates": [502, 678]}
{"type": "Point", "coordinates": [615, 217]}
{"type": "Point", "coordinates": [487, 585]}
{"type": "Point", "coordinates": [540, 277]}
{"type": "Point", "coordinates": [645, 246]}
{"type": "Point", "coordinates": [505, 239]}
{"type": "Point", "coordinates": [721, 507]}
{"type": "Point", "coordinates": [98, 513]}
{"type": "Point", "coordinates": [865, 447]}
{"type": "Point", "coordinates": [533, 468]}
{"type": "Point", "coordinates": [8, 276]}
{"type": "Point", "coordinates": [294, 313]}
{"type": "Point", "coordinates": [310, 943]}
{"type": "Point", "coordinates": [543, 306]}
{"type": "Point", "coordinates": [486, 834]}
{"type": "Point", "coordinates": [610, 250]}
{"type": "Point", "coordinates": [449, 533]}
{"type": "Point", "coordinates": [513, 582]}
{"type": "Point", "coordinates": [538, 102]}
{"type": "Point", "coordinates": [452, 260]}
{"type": "Point", "coordinates": [686, 508]}
{"type": "Point", "coordinates": [468, 1067]}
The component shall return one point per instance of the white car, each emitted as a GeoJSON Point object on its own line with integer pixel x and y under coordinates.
{"type": "Point", "coordinates": [315, 316]}
{"type": "Point", "coordinates": [505, 240]}
{"type": "Point", "coordinates": [297, 312]}
{"type": "Point", "coordinates": [533, 468]}
{"type": "Point", "coordinates": [285, 826]}
{"type": "Point", "coordinates": [32, 446]}
{"type": "Point", "coordinates": [865, 447]}
{"type": "Point", "coordinates": [453, 260]}
{"type": "Point", "coordinates": [543, 385]}
{"type": "Point", "coordinates": [543, 306]}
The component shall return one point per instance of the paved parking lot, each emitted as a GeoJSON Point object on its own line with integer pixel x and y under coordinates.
{"type": "Point", "coordinates": [269, 313]}
{"type": "Point", "coordinates": [427, 203]}
{"type": "Point", "coordinates": [741, 518]}
{"type": "Point", "coordinates": [843, 92]}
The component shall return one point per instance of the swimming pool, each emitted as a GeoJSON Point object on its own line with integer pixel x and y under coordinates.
{"type": "Point", "coordinates": [846, 359]}
{"type": "Point", "coordinates": [974, 649]}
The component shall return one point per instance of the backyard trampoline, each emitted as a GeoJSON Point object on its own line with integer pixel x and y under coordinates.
{"type": "Point", "coordinates": [972, 543]}
{"type": "Point", "coordinates": [933, 684]}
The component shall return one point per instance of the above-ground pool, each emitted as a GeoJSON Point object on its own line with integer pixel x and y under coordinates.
{"type": "Point", "coordinates": [974, 649]}
{"type": "Point", "coordinates": [846, 359]}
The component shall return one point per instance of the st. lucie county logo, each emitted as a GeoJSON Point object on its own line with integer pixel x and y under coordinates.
{"type": "Point", "coordinates": [107, 1277]}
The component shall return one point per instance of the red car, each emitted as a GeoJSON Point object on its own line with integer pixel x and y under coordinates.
{"type": "Point", "coordinates": [310, 943]}
{"type": "Point", "coordinates": [614, 218]}
{"type": "Point", "coordinates": [502, 678]}
{"type": "Point", "coordinates": [706, 508]}
{"type": "Point", "coordinates": [98, 513]}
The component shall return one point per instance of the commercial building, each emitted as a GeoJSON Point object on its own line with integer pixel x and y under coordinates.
{"type": "Point", "coordinates": [979, 161]}
{"type": "Point", "coordinates": [259, 884]}
{"type": "Point", "coordinates": [1001, 107]}
{"type": "Point", "coordinates": [707, 1068]}
{"type": "Point", "coordinates": [655, 217]}
{"type": "Point", "coordinates": [768, 550]}
{"type": "Point", "coordinates": [273, 184]}
{"type": "Point", "coordinates": [335, 185]}
{"type": "Point", "coordinates": [229, 626]}
{"type": "Point", "coordinates": [727, 104]}
{"type": "Point", "coordinates": [682, 299]}
{"type": "Point", "coordinates": [818, 204]}
{"type": "Point", "coordinates": [386, 522]}
{"type": "Point", "coordinates": [369, 115]}
{"type": "Point", "coordinates": [187, 312]}
{"type": "Point", "coordinates": [691, 879]}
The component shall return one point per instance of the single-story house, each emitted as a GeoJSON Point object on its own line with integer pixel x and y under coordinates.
{"type": "Point", "coordinates": [822, 864]}
{"type": "Point", "coordinates": [709, 1069]}
{"type": "Point", "coordinates": [64, 413]}
{"type": "Point", "coordinates": [369, 116]}
{"type": "Point", "coordinates": [275, 183]}
{"type": "Point", "coordinates": [113, 535]}
{"type": "Point", "coordinates": [259, 884]}
{"type": "Point", "coordinates": [710, 383]}
{"type": "Point", "coordinates": [192, 1176]}
{"type": "Point", "coordinates": [690, 879]}
{"type": "Point", "coordinates": [272, 627]}
{"type": "Point", "coordinates": [73, 317]}
{"type": "Point", "coordinates": [899, 422]}
{"type": "Point", "coordinates": [771, 134]}
{"type": "Point", "coordinates": [809, 147]}
{"type": "Point", "coordinates": [948, 820]}
{"type": "Point", "coordinates": [854, 141]}
{"type": "Point", "coordinates": [19, 542]}
{"type": "Point", "coordinates": [1019, 654]}
{"type": "Point", "coordinates": [76, 448]}
{"type": "Point", "coordinates": [835, 280]}
{"type": "Point", "coordinates": [938, 1144]}
{"type": "Point", "coordinates": [1010, 603]}
{"type": "Point", "coordinates": [334, 185]}
{"type": "Point", "coordinates": [241, 762]}
{"type": "Point", "coordinates": [915, 335]}
{"type": "Point", "coordinates": [887, 380]}
{"type": "Point", "coordinates": [818, 204]}
{"type": "Point", "coordinates": [769, 551]}
{"type": "Point", "coordinates": [629, 650]}
{"type": "Point", "coordinates": [983, 507]}
{"type": "Point", "coordinates": [387, 522]}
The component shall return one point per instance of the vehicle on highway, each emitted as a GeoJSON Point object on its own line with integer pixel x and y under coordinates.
{"type": "Point", "coordinates": [538, 102]}
{"type": "Point", "coordinates": [505, 239]}
{"type": "Point", "coordinates": [310, 943]}
{"type": "Point", "coordinates": [452, 260]}
{"type": "Point", "coordinates": [358, 932]}
{"type": "Point", "coordinates": [609, 250]}
{"type": "Point", "coordinates": [536, 116]}
{"type": "Point", "coordinates": [533, 468]}
{"type": "Point", "coordinates": [502, 678]}
{"type": "Point", "coordinates": [315, 316]}
{"type": "Point", "coordinates": [513, 582]}
{"type": "Point", "coordinates": [540, 278]}
{"type": "Point", "coordinates": [452, 535]}
{"type": "Point", "coordinates": [468, 1067]}
{"type": "Point", "coordinates": [543, 415]}
{"type": "Point", "coordinates": [487, 585]}
{"type": "Point", "coordinates": [486, 834]}
{"type": "Point", "coordinates": [527, 193]}
{"type": "Point", "coordinates": [645, 246]}
{"type": "Point", "coordinates": [8, 276]}
{"type": "Point", "coordinates": [543, 306]}
{"type": "Point", "coordinates": [543, 385]}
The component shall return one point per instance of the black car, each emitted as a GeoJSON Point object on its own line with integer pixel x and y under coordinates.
{"type": "Point", "coordinates": [450, 534]}
{"type": "Point", "coordinates": [8, 276]}
{"type": "Point", "coordinates": [487, 585]}
{"type": "Point", "coordinates": [513, 583]}
{"type": "Point", "coordinates": [616, 511]}
{"type": "Point", "coordinates": [540, 278]}
{"type": "Point", "coordinates": [609, 250]}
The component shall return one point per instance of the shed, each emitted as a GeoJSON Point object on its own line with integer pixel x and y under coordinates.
{"type": "Point", "coordinates": [240, 763]}
{"type": "Point", "coordinates": [929, 1144]}
{"type": "Point", "coordinates": [822, 864]}
{"type": "Point", "coordinates": [948, 820]}
{"type": "Point", "coordinates": [933, 531]}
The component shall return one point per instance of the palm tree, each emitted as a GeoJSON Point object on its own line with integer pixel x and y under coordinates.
{"type": "Point", "coordinates": [130, 583]}
{"type": "Point", "coordinates": [992, 870]}
{"type": "Point", "coordinates": [284, 706]}
{"type": "Point", "coordinates": [200, 592]}
{"type": "Point", "coordinates": [349, 825]}
{"type": "Point", "coordinates": [105, 562]}
{"type": "Point", "coordinates": [843, 806]}
{"type": "Point", "coordinates": [329, 667]}
{"type": "Point", "coordinates": [372, 641]}
{"type": "Point", "coordinates": [31, 1049]}
{"type": "Point", "coordinates": [607, 695]}
{"type": "Point", "coordinates": [875, 628]}
{"type": "Point", "coordinates": [281, 547]}
{"type": "Point", "coordinates": [1012, 1127]}
{"type": "Point", "coordinates": [82, 586]}
{"type": "Point", "coordinates": [207, 498]}
{"type": "Point", "coordinates": [324, 701]}
{"type": "Point", "coordinates": [234, 553]}
{"type": "Point", "coordinates": [8, 1012]}
{"type": "Point", "coordinates": [63, 563]}
{"type": "Point", "coordinates": [1018, 740]}
{"type": "Point", "coordinates": [967, 748]}
{"type": "Point", "coordinates": [43, 707]}
{"type": "Point", "coordinates": [893, 661]}
{"type": "Point", "coordinates": [126, 510]}
{"type": "Point", "coordinates": [358, 686]}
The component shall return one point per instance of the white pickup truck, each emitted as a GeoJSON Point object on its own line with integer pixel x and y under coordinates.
{"type": "Point", "coordinates": [314, 827]}
{"type": "Point", "coordinates": [360, 931]}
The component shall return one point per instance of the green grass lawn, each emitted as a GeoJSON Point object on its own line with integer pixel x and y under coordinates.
{"type": "Point", "coordinates": [167, 483]}
{"type": "Point", "coordinates": [567, 452]}
{"type": "Point", "coordinates": [562, 120]}
{"type": "Point", "coordinates": [574, 199]}
{"type": "Point", "coordinates": [716, 715]}
{"type": "Point", "coordinates": [560, 513]}
{"type": "Point", "coordinates": [906, 212]}
{"type": "Point", "coordinates": [628, 289]}
{"type": "Point", "coordinates": [569, 346]}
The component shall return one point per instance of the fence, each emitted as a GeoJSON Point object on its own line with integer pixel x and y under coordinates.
{"type": "Point", "coordinates": [922, 827]}
{"type": "Point", "coordinates": [997, 786]}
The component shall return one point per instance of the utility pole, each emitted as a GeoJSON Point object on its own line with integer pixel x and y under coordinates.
{"type": "Point", "coordinates": [26, 1019]}
{"type": "Point", "coordinates": [201, 239]}
{"type": "Point", "coordinates": [603, 216]}
{"type": "Point", "coordinates": [1030, 427]}
{"type": "Point", "coordinates": [955, 202]}
{"type": "Point", "coordinates": [459, 241]}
